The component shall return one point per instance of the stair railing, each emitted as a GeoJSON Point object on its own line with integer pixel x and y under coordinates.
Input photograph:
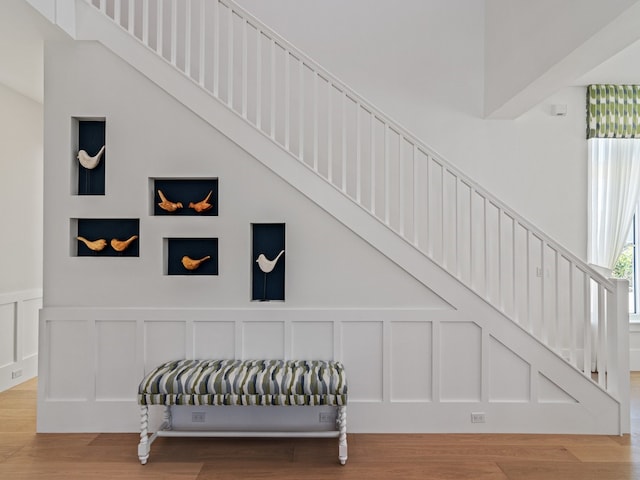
{"type": "Point", "coordinates": [391, 174]}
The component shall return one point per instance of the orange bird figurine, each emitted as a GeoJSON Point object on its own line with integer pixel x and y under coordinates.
{"type": "Point", "coordinates": [168, 205]}
{"type": "Point", "coordinates": [203, 205]}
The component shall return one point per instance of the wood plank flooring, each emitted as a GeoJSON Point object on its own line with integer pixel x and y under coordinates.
{"type": "Point", "coordinates": [25, 455]}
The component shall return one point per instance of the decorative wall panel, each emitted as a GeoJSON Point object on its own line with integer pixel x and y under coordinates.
{"type": "Point", "coordinates": [263, 340]}
{"type": "Point", "coordinates": [115, 355]}
{"type": "Point", "coordinates": [214, 340]}
{"type": "Point", "coordinates": [312, 340]}
{"type": "Point", "coordinates": [164, 341]}
{"type": "Point", "coordinates": [362, 355]}
{"type": "Point", "coordinates": [549, 392]}
{"type": "Point", "coordinates": [8, 332]}
{"type": "Point", "coordinates": [510, 375]}
{"type": "Point", "coordinates": [70, 373]}
{"type": "Point", "coordinates": [460, 362]}
{"type": "Point", "coordinates": [411, 361]}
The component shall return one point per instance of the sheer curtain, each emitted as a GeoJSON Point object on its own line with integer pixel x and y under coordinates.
{"type": "Point", "coordinates": [614, 175]}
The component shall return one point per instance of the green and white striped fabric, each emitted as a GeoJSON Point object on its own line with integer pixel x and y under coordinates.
{"type": "Point", "coordinates": [245, 382]}
{"type": "Point", "coordinates": [613, 111]}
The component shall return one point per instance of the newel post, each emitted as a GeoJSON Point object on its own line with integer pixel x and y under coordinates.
{"type": "Point", "coordinates": [618, 374]}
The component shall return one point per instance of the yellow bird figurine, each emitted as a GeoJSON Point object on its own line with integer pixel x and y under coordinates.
{"type": "Point", "coordinates": [191, 264]}
{"type": "Point", "coordinates": [203, 205]}
{"type": "Point", "coordinates": [168, 205]}
{"type": "Point", "coordinates": [122, 245]}
{"type": "Point", "coordinates": [95, 245]}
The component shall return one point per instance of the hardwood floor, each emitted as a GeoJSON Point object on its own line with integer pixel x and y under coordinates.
{"type": "Point", "coordinates": [27, 455]}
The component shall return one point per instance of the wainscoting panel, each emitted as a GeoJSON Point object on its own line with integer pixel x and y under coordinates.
{"type": "Point", "coordinates": [115, 354]}
{"type": "Point", "coordinates": [8, 334]}
{"type": "Point", "coordinates": [19, 336]}
{"type": "Point", "coordinates": [29, 310]}
{"type": "Point", "coordinates": [215, 340]}
{"type": "Point", "coordinates": [263, 340]}
{"type": "Point", "coordinates": [510, 375]}
{"type": "Point", "coordinates": [163, 341]}
{"type": "Point", "coordinates": [69, 368]}
{"type": "Point", "coordinates": [363, 356]}
{"type": "Point", "coordinates": [549, 392]}
{"type": "Point", "coordinates": [460, 352]}
{"type": "Point", "coordinates": [312, 340]}
{"type": "Point", "coordinates": [409, 370]}
{"type": "Point", "coordinates": [411, 361]}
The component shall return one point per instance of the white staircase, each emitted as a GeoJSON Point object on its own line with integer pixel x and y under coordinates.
{"type": "Point", "coordinates": [371, 174]}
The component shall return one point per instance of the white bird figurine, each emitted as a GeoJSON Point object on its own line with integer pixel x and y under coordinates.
{"type": "Point", "coordinates": [267, 265]}
{"type": "Point", "coordinates": [90, 162]}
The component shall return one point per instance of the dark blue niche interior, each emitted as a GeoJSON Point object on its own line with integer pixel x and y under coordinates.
{"type": "Point", "coordinates": [269, 240]}
{"type": "Point", "coordinates": [186, 191]}
{"type": "Point", "coordinates": [91, 138]}
{"type": "Point", "coordinates": [113, 228]}
{"type": "Point", "coordinates": [194, 248]}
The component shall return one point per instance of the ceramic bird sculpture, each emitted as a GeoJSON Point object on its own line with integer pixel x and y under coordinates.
{"type": "Point", "coordinates": [267, 265]}
{"type": "Point", "coordinates": [90, 162]}
{"type": "Point", "coordinates": [192, 264]}
{"type": "Point", "coordinates": [168, 205]}
{"type": "Point", "coordinates": [122, 245]}
{"type": "Point", "coordinates": [95, 245]}
{"type": "Point", "coordinates": [203, 205]}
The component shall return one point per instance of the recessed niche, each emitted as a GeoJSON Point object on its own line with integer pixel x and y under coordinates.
{"type": "Point", "coordinates": [268, 261]}
{"type": "Point", "coordinates": [191, 256]}
{"type": "Point", "coordinates": [115, 234]}
{"type": "Point", "coordinates": [89, 136]}
{"type": "Point", "coordinates": [184, 196]}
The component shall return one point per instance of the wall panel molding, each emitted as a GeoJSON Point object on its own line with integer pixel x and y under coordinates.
{"type": "Point", "coordinates": [19, 336]}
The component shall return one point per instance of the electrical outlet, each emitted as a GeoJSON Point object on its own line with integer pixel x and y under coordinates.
{"type": "Point", "coordinates": [197, 417]}
{"type": "Point", "coordinates": [478, 417]}
{"type": "Point", "coordinates": [327, 417]}
{"type": "Point", "coordinates": [16, 374]}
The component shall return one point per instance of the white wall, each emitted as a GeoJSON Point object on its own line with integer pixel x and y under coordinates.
{"type": "Point", "coordinates": [534, 48]}
{"type": "Point", "coordinates": [21, 239]}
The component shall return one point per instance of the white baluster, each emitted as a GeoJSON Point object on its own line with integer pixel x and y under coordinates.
{"type": "Point", "coordinates": [230, 59]}
{"type": "Point", "coordinates": [272, 89]}
{"type": "Point", "coordinates": [301, 122]}
{"type": "Point", "coordinates": [373, 163]}
{"type": "Point", "coordinates": [358, 154]}
{"type": "Point", "coordinates": [586, 326]}
{"type": "Point", "coordinates": [202, 49]}
{"type": "Point", "coordinates": [601, 359]}
{"type": "Point", "coordinates": [315, 121]}
{"type": "Point", "coordinates": [160, 27]}
{"type": "Point", "coordinates": [401, 206]}
{"type": "Point", "coordinates": [386, 174]}
{"type": "Point", "coordinates": [244, 69]}
{"type": "Point", "coordinates": [117, 12]}
{"type": "Point", "coordinates": [174, 31]}
{"type": "Point", "coordinates": [216, 49]}
{"type": "Point", "coordinates": [187, 39]}
{"type": "Point", "coordinates": [344, 140]}
{"type": "Point", "coordinates": [131, 26]}
{"type": "Point", "coordinates": [287, 99]}
{"type": "Point", "coordinates": [145, 22]}
{"type": "Point", "coordinates": [258, 79]}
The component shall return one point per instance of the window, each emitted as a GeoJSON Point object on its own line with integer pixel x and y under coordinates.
{"type": "Point", "coordinates": [627, 266]}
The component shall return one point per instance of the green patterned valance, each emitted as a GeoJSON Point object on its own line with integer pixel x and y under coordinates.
{"type": "Point", "coordinates": [613, 111]}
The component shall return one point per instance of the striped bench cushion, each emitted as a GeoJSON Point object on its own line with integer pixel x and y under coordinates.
{"type": "Point", "coordinates": [245, 382]}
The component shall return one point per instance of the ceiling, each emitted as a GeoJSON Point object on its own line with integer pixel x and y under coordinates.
{"type": "Point", "coordinates": [23, 32]}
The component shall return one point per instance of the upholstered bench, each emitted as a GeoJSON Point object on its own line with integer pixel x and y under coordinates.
{"type": "Point", "coordinates": [243, 382]}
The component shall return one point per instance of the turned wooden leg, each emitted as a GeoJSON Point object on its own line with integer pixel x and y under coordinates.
{"type": "Point", "coordinates": [342, 438]}
{"type": "Point", "coordinates": [144, 446]}
{"type": "Point", "coordinates": [166, 418]}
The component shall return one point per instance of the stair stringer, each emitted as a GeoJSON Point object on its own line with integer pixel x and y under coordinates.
{"type": "Point", "coordinates": [595, 411]}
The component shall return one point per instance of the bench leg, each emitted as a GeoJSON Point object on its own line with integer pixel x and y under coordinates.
{"type": "Point", "coordinates": [144, 446]}
{"type": "Point", "coordinates": [342, 438]}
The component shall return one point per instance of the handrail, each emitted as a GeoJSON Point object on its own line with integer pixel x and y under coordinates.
{"type": "Point", "coordinates": [385, 169]}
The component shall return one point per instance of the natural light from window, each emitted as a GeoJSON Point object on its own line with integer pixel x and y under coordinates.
{"type": "Point", "coordinates": [627, 265]}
